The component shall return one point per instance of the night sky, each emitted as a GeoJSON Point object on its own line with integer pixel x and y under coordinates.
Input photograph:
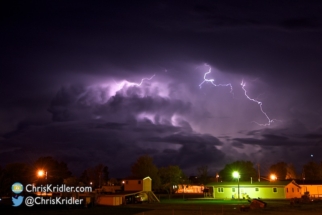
{"type": "Point", "coordinates": [71, 73]}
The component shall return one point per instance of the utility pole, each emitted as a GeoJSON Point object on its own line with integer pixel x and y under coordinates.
{"type": "Point", "coordinates": [259, 173]}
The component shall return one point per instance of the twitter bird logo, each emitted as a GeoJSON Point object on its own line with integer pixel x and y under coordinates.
{"type": "Point", "coordinates": [17, 201]}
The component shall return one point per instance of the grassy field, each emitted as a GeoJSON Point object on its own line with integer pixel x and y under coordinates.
{"type": "Point", "coordinates": [227, 207]}
{"type": "Point", "coordinates": [175, 206]}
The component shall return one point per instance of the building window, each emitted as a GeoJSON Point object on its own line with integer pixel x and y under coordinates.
{"type": "Point", "coordinates": [139, 182]}
{"type": "Point", "coordinates": [256, 189]}
{"type": "Point", "coordinates": [274, 189]}
{"type": "Point", "coordinates": [233, 189]}
{"type": "Point", "coordinates": [298, 189]}
{"type": "Point", "coordinates": [287, 190]}
{"type": "Point", "coordinates": [220, 189]}
{"type": "Point", "coordinates": [292, 189]}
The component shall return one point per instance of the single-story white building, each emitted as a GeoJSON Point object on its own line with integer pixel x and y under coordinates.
{"type": "Point", "coordinates": [263, 190]}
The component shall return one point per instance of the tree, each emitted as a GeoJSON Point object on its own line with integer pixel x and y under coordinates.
{"type": "Point", "coordinates": [279, 169]}
{"type": "Point", "coordinates": [114, 182]}
{"type": "Point", "coordinates": [290, 172]}
{"type": "Point", "coordinates": [14, 172]}
{"type": "Point", "coordinates": [245, 168]}
{"type": "Point", "coordinates": [203, 175]}
{"type": "Point", "coordinates": [144, 167]}
{"type": "Point", "coordinates": [2, 182]}
{"type": "Point", "coordinates": [98, 175]}
{"type": "Point", "coordinates": [106, 175]}
{"type": "Point", "coordinates": [95, 175]}
{"type": "Point", "coordinates": [84, 179]}
{"type": "Point", "coordinates": [171, 177]}
{"type": "Point", "coordinates": [283, 170]}
{"type": "Point", "coordinates": [313, 171]}
{"type": "Point", "coordinates": [184, 181]}
{"type": "Point", "coordinates": [71, 181]}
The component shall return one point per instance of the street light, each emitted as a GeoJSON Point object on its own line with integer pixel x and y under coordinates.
{"type": "Point", "coordinates": [41, 173]}
{"type": "Point", "coordinates": [236, 175]}
{"type": "Point", "coordinates": [273, 177]}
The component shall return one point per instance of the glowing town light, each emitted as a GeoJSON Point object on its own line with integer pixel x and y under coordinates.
{"type": "Point", "coordinates": [273, 177]}
{"type": "Point", "coordinates": [236, 174]}
{"type": "Point", "coordinates": [243, 84]}
{"type": "Point", "coordinates": [41, 173]}
{"type": "Point", "coordinates": [212, 81]}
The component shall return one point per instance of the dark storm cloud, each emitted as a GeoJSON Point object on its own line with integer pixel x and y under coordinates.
{"type": "Point", "coordinates": [267, 147]}
{"type": "Point", "coordinates": [213, 15]}
{"type": "Point", "coordinates": [111, 125]}
{"type": "Point", "coordinates": [300, 23]}
{"type": "Point", "coordinates": [313, 136]}
{"type": "Point", "coordinates": [238, 145]}
{"type": "Point", "coordinates": [191, 156]}
{"type": "Point", "coordinates": [274, 137]}
{"type": "Point", "coordinates": [266, 141]}
{"type": "Point", "coordinates": [75, 103]}
{"type": "Point", "coordinates": [83, 144]}
{"type": "Point", "coordinates": [50, 47]}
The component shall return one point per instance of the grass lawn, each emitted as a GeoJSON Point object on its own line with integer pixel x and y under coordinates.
{"type": "Point", "coordinates": [175, 206]}
{"type": "Point", "coordinates": [227, 207]}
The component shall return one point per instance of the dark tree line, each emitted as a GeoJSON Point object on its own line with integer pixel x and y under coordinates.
{"type": "Point", "coordinates": [245, 169]}
{"type": "Point", "coordinates": [165, 178]}
{"type": "Point", "coordinates": [283, 171]}
{"type": "Point", "coordinates": [97, 176]}
{"type": "Point", "coordinates": [53, 172]}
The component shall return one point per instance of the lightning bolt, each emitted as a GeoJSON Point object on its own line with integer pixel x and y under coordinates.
{"type": "Point", "coordinates": [212, 81]}
{"type": "Point", "coordinates": [243, 84]}
{"type": "Point", "coordinates": [142, 80]}
{"type": "Point", "coordinates": [118, 86]}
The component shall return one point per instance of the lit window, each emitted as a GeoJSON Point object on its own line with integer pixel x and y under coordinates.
{"type": "Point", "coordinates": [274, 190]}
{"type": "Point", "coordinates": [220, 189]}
{"type": "Point", "coordinates": [256, 189]}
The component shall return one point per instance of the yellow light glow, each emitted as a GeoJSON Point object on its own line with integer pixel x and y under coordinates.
{"type": "Point", "coordinates": [236, 174]}
{"type": "Point", "coordinates": [273, 177]}
{"type": "Point", "coordinates": [41, 173]}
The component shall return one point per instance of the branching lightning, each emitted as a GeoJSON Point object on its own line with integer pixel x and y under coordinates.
{"type": "Point", "coordinates": [142, 80]}
{"type": "Point", "coordinates": [243, 84]}
{"type": "Point", "coordinates": [125, 83]}
{"type": "Point", "coordinates": [212, 81]}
